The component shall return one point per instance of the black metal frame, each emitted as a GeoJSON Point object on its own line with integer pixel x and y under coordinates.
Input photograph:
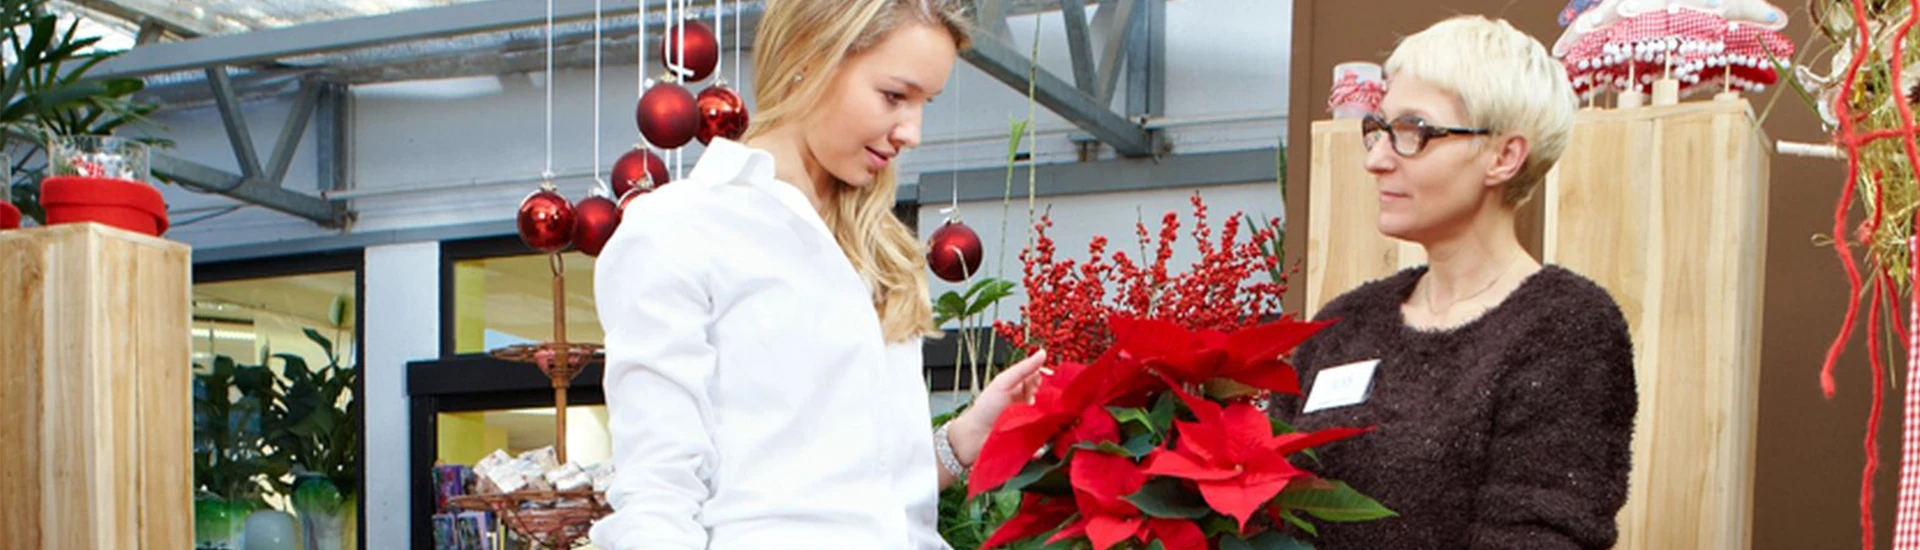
{"type": "Point", "coordinates": [464, 384]}
{"type": "Point", "coordinates": [308, 264]}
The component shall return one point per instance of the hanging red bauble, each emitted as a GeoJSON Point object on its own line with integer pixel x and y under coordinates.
{"type": "Point", "coordinates": [667, 115]}
{"type": "Point", "coordinates": [954, 252]}
{"type": "Point", "coordinates": [638, 169]}
{"type": "Point", "coordinates": [546, 220]}
{"type": "Point", "coordinates": [594, 220]}
{"type": "Point", "coordinates": [628, 199]}
{"type": "Point", "coordinates": [722, 114]}
{"type": "Point", "coordinates": [703, 52]}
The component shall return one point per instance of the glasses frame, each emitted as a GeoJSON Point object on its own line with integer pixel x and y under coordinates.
{"type": "Point", "coordinates": [1373, 126]}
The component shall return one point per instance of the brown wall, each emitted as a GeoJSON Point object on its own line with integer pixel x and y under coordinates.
{"type": "Point", "coordinates": [1810, 454]}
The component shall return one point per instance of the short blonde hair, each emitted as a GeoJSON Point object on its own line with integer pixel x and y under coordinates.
{"type": "Point", "coordinates": [1506, 81]}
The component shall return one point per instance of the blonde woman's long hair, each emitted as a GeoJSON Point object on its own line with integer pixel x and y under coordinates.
{"type": "Point", "coordinates": [798, 49]}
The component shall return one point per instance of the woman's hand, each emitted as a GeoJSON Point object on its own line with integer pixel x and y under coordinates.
{"type": "Point", "coordinates": [968, 432]}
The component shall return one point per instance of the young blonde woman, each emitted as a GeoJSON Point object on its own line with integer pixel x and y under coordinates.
{"type": "Point", "coordinates": [764, 316]}
{"type": "Point", "coordinates": [1503, 389]}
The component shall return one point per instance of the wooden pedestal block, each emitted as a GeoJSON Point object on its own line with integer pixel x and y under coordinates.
{"type": "Point", "coordinates": [1666, 208]}
{"type": "Point", "coordinates": [95, 390]}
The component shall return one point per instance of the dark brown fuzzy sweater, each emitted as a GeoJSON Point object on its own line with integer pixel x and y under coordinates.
{"type": "Point", "coordinates": [1512, 431]}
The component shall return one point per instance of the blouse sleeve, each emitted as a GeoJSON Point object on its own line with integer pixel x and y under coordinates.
{"type": "Point", "coordinates": [655, 309]}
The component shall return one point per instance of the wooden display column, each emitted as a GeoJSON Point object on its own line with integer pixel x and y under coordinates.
{"type": "Point", "coordinates": [1666, 207]}
{"type": "Point", "coordinates": [95, 394]}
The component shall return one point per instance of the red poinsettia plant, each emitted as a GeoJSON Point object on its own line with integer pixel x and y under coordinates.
{"type": "Point", "coordinates": [1150, 433]}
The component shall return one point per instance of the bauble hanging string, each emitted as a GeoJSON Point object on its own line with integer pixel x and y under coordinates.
{"type": "Point", "coordinates": [545, 219]}
{"type": "Point", "coordinates": [595, 217]}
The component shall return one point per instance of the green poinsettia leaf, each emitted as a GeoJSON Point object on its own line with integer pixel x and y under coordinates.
{"type": "Point", "coordinates": [1297, 521]}
{"type": "Point", "coordinates": [1217, 525]}
{"type": "Point", "coordinates": [1266, 541]}
{"type": "Point", "coordinates": [1169, 498]}
{"type": "Point", "coordinates": [1127, 417]}
{"type": "Point", "coordinates": [1161, 417]}
{"type": "Point", "coordinates": [1333, 501]}
{"type": "Point", "coordinates": [1042, 476]}
{"type": "Point", "coordinates": [1108, 447]}
{"type": "Point", "coordinates": [1140, 445]}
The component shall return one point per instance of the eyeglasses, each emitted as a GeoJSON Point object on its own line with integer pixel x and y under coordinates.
{"type": "Point", "coordinates": [1410, 133]}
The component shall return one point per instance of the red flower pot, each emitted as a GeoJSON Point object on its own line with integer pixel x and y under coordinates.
{"type": "Point", "coordinates": [9, 216]}
{"type": "Point", "coordinates": [128, 205]}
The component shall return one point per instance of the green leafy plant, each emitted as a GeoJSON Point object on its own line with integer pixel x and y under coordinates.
{"type": "Point", "coordinates": [230, 456]}
{"type": "Point", "coordinates": [49, 94]}
{"type": "Point", "coordinates": [311, 424]}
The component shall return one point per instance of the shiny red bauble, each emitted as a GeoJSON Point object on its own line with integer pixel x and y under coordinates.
{"type": "Point", "coordinates": [667, 115]}
{"type": "Point", "coordinates": [702, 54]}
{"type": "Point", "coordinates": [546, 220]}
{"type": "Point", "coordinates": [638, 169]}
{"type": "Point", "coordinates": [722, 114]}
{"type": "Point", "coordinates": [954, 252]}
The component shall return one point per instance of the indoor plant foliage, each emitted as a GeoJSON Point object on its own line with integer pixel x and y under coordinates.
{"type": "Point", "coordinates": [312, 427]}
{"type": "Point", "coordinates": [290, 433]}
{"type": "Point", "coordinates": [48, 94]}
{"type": "Point", "coordinates": [230, 459]}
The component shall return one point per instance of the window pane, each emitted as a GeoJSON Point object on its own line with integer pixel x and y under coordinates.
{"type": "Point", "coordinates": [503, 301]}
{"type": "Point", "coordinates": [249, 337]}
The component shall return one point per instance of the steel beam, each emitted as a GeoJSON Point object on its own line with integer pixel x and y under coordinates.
{"type": "Point", "coordinates": [350, 34]}
{"type": "Point", "coordinates": [291, 133]}
{"type": "Point", "coordinates": [1106, 176]}
{"type": "Point", "coordinates": [1115, 17]}
{"type": "Point", "coordinates": [1147, 61]}
{"type": "Point", "coordinates": [1079, 45]}
{"type": "Point", "coordinates": [256, 191]}
{"type": "Point", "coordinates": [236, 122]}
{"type": "Point", "coordinates": [1000, 61]}
{"type": "Point", "coordinates": [333, 137]}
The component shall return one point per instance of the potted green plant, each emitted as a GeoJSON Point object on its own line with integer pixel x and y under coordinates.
{"type": "Point", "coordinates": [230, 458]}
{"type": "Point", "coordinates": [311, 426]}
{"type": "Point", "coordinates": [48, 94]}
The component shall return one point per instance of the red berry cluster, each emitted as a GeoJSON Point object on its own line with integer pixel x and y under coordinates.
{"type": "Point", "coordinates": [1232, 285]}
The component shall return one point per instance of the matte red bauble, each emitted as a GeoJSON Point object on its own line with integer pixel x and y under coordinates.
{"type": "Point", "coordinates": [722, 114]}
{"type": "Point", "coordinates": [639, 168]}
{"type": "Point", "coordinates": [703, 52]}
{"type": "Point", "coordinates": [667, 115]}
{"type": "Point", "coordinates": [954, 252]}
{"type": "Point", "coordinates": [546, 220]}
{"type": "Point", "coordinates": [594, 220]}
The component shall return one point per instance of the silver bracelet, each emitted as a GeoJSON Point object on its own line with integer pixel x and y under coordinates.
{"type": "Point", "coordinates": [943, 450]}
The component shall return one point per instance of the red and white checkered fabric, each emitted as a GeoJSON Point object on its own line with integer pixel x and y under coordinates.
{"type": "Point", "coordinates": [1906, 522]}
{"type": "Point", "coordinates": [1352, 92]}
{"type": "Point", "coordinates": [1700, 49]}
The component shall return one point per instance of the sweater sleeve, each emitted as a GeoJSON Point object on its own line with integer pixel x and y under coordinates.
{"type": "Point", "coordinates": [1560, 450]}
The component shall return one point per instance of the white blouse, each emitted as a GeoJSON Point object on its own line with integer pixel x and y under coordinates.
{"type": "Point", "coordinates": [753, 401]}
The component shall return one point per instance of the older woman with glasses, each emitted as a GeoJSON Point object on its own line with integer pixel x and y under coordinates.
{"type": "Point", "coordinates": [1503, 390]}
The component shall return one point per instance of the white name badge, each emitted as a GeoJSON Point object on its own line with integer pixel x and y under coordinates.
{"type": "Point", "coordinates": [1341, 386]}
